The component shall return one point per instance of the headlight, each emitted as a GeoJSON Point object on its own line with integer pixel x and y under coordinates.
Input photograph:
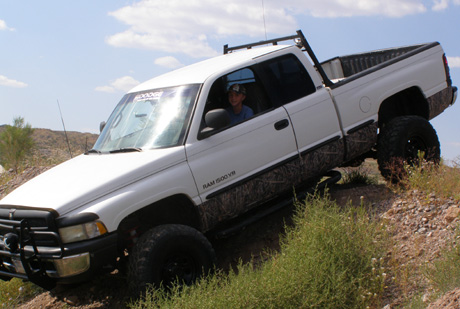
{"type": "Point", "coordinates": [82, 231]}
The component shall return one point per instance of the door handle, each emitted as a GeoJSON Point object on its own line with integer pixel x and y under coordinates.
{"type": "Point", "coordinates": [281, 124]}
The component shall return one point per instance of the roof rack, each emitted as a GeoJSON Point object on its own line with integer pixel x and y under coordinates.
{"type": "Point", "coordinates": [273, 41]}
{"type": "Point", "coordinates": [300, 41]}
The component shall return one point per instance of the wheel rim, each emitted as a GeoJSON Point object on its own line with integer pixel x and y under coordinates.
{"type": "Point", "coordinates": [180, 269]}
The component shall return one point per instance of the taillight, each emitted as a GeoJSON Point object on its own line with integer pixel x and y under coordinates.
{"type": "Point", "coordinates": [446, 68]}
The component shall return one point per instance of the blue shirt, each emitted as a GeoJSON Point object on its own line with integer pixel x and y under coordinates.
{"type": "Point", "coordinates": [245, 113]}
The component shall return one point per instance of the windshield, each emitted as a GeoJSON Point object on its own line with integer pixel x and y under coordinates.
{"type": "Point", "coordinates": [149, 119]}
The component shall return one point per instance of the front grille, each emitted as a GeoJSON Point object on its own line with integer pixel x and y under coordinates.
{"type": "Point", "coordinates": [33, 227]}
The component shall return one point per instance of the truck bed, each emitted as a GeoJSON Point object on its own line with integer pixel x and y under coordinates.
{"type": "Point", "coordinates": [342, 67]}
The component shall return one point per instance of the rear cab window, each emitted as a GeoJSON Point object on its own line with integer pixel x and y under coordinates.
{"type": "Point", "coordinates": [287, 79]}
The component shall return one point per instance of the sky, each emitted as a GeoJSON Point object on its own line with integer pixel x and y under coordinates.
{"type": "Point", "coordinates": [82, 56]}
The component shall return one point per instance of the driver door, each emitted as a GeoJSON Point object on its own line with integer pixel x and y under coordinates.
{"type": "Point", "coordinates": [244, 164]}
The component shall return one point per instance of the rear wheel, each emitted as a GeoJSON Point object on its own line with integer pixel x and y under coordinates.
{"type": "Point", "coordinates": [169, 254]}
{"type": "Point", "coordinates": [402, 140]}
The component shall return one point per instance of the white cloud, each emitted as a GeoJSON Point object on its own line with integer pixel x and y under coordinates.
{"type": "Point", "coordinates": [124, 84]}
{"type": "Point", "coordinates": [186, 27]}
{"type": "Point", "coordinates": [3, 26]}
{"type": "Point", "coordinates": [189, 27]}
{"type": "Point", "coordinates": [454, 62]}
{"type": "Point", "coordinates": [5, 81]}
{"type": "Point", "coordinates": [350, 8]}
{"type": "Point", "coordinates": [168, 62]}
{"type": "Point", "coordinates": [441, 5]}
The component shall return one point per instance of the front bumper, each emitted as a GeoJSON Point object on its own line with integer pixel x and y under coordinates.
{"type": "Point", "coordinates": [38, 255]}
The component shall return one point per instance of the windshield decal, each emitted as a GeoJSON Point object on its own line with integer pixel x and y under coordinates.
{"type": "Point", "coordinates": [148, 96]}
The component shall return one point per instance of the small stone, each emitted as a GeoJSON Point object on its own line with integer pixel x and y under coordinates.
{"type": "Point", "coordinates": [71, 300]}
{"type": "Point", "coordinates": [452, 213]}
{"type": "Point", "coordinates": [422, 230]}
{"type": "Point", "coordinates": [425, 298]}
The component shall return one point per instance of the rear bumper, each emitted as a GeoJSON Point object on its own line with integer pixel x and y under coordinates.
{"type": "Point", "coordinates": [454, 95]}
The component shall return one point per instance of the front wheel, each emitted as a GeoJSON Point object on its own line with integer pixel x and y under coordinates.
{"type": "Point", "coordinates": [402, 140]}
{"type": "Point", "coordinates": [169, 254]}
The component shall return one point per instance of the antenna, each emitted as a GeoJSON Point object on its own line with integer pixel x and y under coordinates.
{"type": "Point", "coordinates": [65, 132]}
{"type": "Point", "coordinates": [263, 15]}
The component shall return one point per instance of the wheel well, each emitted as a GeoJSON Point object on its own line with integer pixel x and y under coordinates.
{"type": "Point", "coordinates": [177, 209]}
{"type": "Point", "coordinates": [410, 101]}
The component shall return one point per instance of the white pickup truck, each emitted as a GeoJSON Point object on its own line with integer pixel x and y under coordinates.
{"type": "Point", "coordinates": [168, 167]}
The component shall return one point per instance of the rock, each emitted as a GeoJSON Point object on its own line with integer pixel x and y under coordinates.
{"type": "Point", "coordinates": [425, 298]}
{"type": "Point", "coordinates": [422, 230]}
{"type": "Point", "coordinates": [71, 300]}
{"type": "Point", "coordinates": [452, 213]}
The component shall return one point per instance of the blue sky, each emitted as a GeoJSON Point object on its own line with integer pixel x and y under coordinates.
{"type": "Point", "coordinates": [86, 54]}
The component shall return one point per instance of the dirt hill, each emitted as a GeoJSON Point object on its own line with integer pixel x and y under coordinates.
{"type": "Point", "coordinates": [52, 146]}
{"type": "Point", "coordinates": [420, 227]}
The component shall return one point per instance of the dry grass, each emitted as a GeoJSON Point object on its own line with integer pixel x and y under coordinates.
{"type": "Point", "coordinates": [442, 180]}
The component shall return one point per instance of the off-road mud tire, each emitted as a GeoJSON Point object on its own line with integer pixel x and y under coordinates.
{"type": "Point", "coordinates": [169, 254]}
{"type": "Point", "coordinates": [401, 140]}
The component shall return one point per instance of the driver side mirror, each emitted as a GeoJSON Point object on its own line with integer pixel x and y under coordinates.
{"type": "Point", "coordinates": [215, 120]}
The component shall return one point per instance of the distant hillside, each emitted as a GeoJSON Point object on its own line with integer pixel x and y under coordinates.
{"type": "Point", "coordinates": [53, 144]}
{"type": "Point", "coordinates": [52, 147]}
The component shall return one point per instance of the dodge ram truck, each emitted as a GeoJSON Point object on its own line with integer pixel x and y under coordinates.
{"type": "Point", "coordinates": [168, 167]}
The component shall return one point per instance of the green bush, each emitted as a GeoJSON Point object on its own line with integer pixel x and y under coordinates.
{"type": "Point", "coordinates": [331, 258]}
{"type": "Point", "coordinates": [15, 143]}
{"type": "Point", "coordinates": [358, 176]}
{"type": "Point", "coordinates": [444, 272]}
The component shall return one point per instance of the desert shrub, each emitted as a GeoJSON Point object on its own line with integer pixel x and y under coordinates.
{"type": "Point", "coordinates": [331, 258]}
{"type": "Point", "coordinates": [444, 273]}
{"type": "Point", "coordinates": [16, 143]}
{"type": "Point", "coordinates": [428, 177]}
{"type": "Point", "coordinates": [358, 176]}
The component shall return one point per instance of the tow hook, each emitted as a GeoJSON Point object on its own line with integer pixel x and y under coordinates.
{"type": "Point", "coordinates": [11, 242]}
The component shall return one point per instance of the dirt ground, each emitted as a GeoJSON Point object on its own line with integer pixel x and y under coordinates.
{"type": "Point", "coordinates": [419, 227]}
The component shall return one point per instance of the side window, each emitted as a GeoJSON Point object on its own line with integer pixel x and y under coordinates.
{"type": "Point", "coordinates": [287, 79]}
{"type": "Point", "coordinates": [249, 85]}
{"type": "Point", "coordinates": [244, 76]}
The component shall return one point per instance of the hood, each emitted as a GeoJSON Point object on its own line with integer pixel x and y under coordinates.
{"type": "Point", "coordinates": [85, 178]}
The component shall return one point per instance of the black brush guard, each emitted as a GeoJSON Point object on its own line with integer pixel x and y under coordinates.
{"type": "Point", "coordinates": [22, 241]}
